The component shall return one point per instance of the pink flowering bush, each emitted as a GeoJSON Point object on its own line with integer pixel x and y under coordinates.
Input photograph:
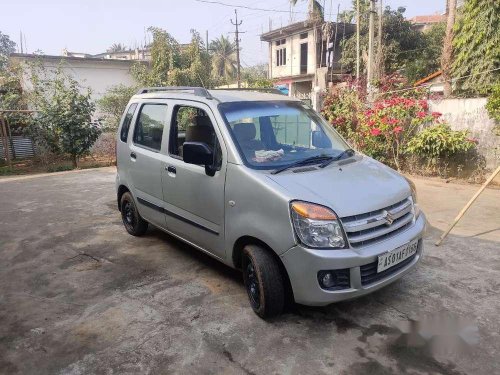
{"type": "Point", "coordinates": [385, 128]}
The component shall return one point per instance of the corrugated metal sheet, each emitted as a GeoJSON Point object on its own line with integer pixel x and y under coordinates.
{"type": "Point", "coordinates": [23, 148]}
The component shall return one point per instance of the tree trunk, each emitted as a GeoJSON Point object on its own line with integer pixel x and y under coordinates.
{"type": "Point", "coordinates": [74, 161]}
{"type": "Point", "coordinates": [446, 57]}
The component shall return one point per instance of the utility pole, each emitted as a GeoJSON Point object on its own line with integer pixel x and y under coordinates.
{"type": "Point", "coordinates": [237, 39]}
{"type": "Point", "coordinates": [207, 40]}
{"type": "Point", "coordinates": [21, 40]}
{"type": "Point", "coordinates": [358, 18]}
{"type": "Point", "coordinates": [380, 51]}
{"type": "Point", "coordinates": [371, 28]}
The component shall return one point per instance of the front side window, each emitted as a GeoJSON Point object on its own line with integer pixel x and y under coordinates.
{"type": "Point", "coordinates": [274, 134]}
{"type": "Point", "coordinates": [126, 122]}
{"type": "Point", "coordinates": [149, 126]}
{"type": "Point", "coordinates": [192, 124]}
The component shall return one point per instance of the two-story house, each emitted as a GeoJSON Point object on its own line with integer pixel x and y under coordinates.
{"type": "Point", "coordinates": [304, 56]}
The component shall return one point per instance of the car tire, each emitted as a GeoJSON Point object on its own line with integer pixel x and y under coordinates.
{"type": "Point", "coordinates": [133, 222]}
{"type": "Point", "coordinates": [263, 281]}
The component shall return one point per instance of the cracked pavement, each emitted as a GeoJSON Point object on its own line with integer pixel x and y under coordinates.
{"type": "Point", "coordinates": [78, 295]}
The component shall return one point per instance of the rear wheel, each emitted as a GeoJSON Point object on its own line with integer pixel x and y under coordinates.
{"type": "Point", "coordinates": [133, 222]}
{"type": "Point", "coordinates": [263, 281]}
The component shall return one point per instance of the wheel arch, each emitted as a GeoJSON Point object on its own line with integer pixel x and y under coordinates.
{"type": "Point", "coordinates": [122, 189]}
{"type": "Point", "coordinates": [250, 240]}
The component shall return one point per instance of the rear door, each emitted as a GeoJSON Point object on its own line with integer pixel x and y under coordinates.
{"type": "Point", "coordinates": [145, 159]}
{"type": "Point", "coordinates": [194, 201]}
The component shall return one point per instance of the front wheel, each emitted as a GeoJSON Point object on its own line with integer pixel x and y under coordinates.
{"type": "Point", "coordinates": [263, 281]}
{"type": "Point", "coordinates": [133, 222]}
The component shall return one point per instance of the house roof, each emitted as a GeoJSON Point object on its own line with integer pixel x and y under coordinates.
{"type": "Point", "coordinates": [299, 27]}
{"type": "Point", "coordinates": [434, 18]}
{"type": "Point", "coordinates": [26, 56]}
{"type": "Point", "coordinates": [289, 29]}
{"type": "Point", "coordinates": [428, 78]}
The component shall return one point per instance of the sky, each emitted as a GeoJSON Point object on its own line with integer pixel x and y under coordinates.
{"type": "Point", "coordinates": [91, 26]}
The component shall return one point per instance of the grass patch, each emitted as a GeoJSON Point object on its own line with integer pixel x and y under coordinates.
{"type": "Point", "coordinates": [59, 168]}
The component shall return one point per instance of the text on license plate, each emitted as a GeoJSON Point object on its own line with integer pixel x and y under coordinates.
{"type": "Point", "coordinates": [396, 256]}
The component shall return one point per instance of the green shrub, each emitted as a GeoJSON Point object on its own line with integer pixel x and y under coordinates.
{"type": "Point", "coordinates": [440, 142]}
{"type": "Point", "coordinates": [493, 107]}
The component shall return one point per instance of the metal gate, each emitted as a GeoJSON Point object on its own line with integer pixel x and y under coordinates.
{"type": "Point", "coordinates": [20, 147]}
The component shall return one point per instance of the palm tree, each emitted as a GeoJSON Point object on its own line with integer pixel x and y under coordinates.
{"type": "Point", "coordinates": [315, 9]}
{"type": "Point", "coordinates": [223, 57]}
{"type": "Point", "coordinates": [116, 47]}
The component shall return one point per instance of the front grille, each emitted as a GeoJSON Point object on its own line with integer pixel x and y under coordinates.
{"type": "Point", "coordinates": [369, 273]}
{"type": "Point", "coordinates": [374, 226]}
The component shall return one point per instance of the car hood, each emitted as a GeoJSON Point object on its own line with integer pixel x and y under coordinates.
{"type": "Point", "coordinates": [350, 187]}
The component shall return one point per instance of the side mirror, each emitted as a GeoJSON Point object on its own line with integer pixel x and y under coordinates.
{"type": "Point", "coordinates": [320, 140]}
{"type": "Point", "coordinates": [197, 153]}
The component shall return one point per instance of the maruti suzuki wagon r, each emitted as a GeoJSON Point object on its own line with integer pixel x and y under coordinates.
{"type": "Point", "coordinates": [262, 183]}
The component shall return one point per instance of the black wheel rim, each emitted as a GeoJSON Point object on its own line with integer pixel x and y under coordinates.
{"type": "Point", "coordinates": [128, 212]}
{"type": "Point", "coordinates": [252, 285]}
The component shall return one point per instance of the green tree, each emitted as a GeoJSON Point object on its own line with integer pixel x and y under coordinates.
{"type": "Point", "coordinates": [476, 46]}
{"type": "Point", "coordinates": [428, 60]}
{"type": "Point", "coordinates": [165, 55]}
{"type": "Point", "coordinates": [401, 43]}
{"type": "Point", "coordinates": [113, 103]}
{"type": "Point", "coordinates": [7, 47]}
{"type": "Point", "coordinates": [64, 114]}
{"type": "Point", "coordinates": [172, 65]}
{"type": "Point", "coordinates": [256, 76]}
{"type": "Point", "coordinates": [223, 58]}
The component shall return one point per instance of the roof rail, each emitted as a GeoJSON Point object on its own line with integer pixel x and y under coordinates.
{"type": "Point", "coordinates": [198, 91]}
{"type": "Point", "coordinates": [269, 90]}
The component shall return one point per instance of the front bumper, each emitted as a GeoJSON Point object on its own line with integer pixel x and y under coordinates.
{"type": "Point", "coordinates": [303, 265]}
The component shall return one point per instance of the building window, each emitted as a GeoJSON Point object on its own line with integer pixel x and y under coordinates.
{"type": "Point", "coordinates": [281, 52]}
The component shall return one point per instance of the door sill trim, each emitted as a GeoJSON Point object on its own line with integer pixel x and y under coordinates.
{"type": "Point", "coordinates": [176, 216]}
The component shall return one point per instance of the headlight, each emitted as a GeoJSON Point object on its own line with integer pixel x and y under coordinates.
{"type": "Point", "coordinates": [317, 226]}
{"type": "Point", "coordinates": [416, 208]}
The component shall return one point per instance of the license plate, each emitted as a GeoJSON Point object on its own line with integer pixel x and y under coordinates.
{"type": "Point", "coordinates": [396, 256]}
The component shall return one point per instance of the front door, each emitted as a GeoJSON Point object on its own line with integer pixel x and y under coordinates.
{"type": "Point", "coordinates": [194, 200]}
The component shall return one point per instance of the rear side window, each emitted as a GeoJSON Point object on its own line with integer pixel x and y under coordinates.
{"type": "Point", "coordinates": [149, 127]}
{"type": "Point", "coordinates": [126, 122]}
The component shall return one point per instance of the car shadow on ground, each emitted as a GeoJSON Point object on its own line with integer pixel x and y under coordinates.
{"type": "Point", "coordinates": [374, 317]}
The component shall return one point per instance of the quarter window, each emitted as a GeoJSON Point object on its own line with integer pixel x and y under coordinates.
{"type": "Point", "coordinates": [149, 127]}
{"type": "Point", "coordinates": [126, 122]}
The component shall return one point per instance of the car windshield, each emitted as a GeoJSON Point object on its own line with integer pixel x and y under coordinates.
{"type": "Point", "coordinates": [274, 134]}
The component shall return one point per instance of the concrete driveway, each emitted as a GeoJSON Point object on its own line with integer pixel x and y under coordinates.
{"type": "Point", "coordinates": [79, 295]}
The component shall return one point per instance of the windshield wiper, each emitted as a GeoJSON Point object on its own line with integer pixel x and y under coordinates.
{"type": "Point", "coordinates": [313, 159]}
{"type": "Point", "coordinates": [348, 152]}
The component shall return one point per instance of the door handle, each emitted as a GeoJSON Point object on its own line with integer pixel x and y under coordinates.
{"type": "Point", "coordinates": [133, 155]}
{"type": "Point", "coordinates": [171, 169]}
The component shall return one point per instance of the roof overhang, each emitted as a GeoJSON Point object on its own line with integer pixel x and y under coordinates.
{"type": "Point", "coordinates": [290, 29]}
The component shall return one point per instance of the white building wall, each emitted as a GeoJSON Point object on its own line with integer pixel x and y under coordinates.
{"type": "Point", "coordinates": [98, 75]}
{"type": "Point", "coordinates": [292, 67]}
{"type": "Point", "coordinates": [470, 114]}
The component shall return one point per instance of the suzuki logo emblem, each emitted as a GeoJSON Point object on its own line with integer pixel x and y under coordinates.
{"type": "Point", "coordinates": [389, 219]}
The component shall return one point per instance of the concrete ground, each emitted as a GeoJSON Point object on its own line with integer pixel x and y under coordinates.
{"type": "Point", "coordinates": [79, 295]}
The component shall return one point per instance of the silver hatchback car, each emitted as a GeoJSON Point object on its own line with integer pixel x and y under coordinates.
{"type": "Point", "coordinates": [262, 183]}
